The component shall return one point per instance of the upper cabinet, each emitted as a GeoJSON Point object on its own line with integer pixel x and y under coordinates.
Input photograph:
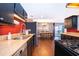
{"type": "Point", "coordinates": [25, 14]}
{"type": "Point", "coordinates": [78, 23]}
{"type": "Point", "coordinates": [19, 9]}
{"type": "Point", "coordinates": [7, 11]}
{"type": "Point", "coordinates": [71, 22]}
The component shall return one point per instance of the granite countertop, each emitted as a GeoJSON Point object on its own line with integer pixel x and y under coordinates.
{"type": "Point", "coordinates": [9, 47]}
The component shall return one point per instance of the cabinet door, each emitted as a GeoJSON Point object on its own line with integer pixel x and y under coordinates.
{"type": "Point", "coordinates": [6, 12]}
{"type": "Point", "coordinates": [74, 21]}
{"type": "Point", "coordinates": [78, 23]}
{"type": "Point", "coordinates": [19, 9]}
{"type": "Point", "coordinates": [58, 50]}
{"type": "Point", "coordinates": [22, 51]}
{"type": "Point", "coordinates": [32, 26]}
{"type": "Point", "coordinates": [61, 51]}
{"type": "Point", "coordinates": [29, 47]}
{"type": "Point", "coordinates": [24, 14]}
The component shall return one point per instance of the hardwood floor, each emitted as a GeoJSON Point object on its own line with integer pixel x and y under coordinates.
{"type": "Point", "coordinates": [45, 48]}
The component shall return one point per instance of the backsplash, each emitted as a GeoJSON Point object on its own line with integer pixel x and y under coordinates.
{"type": "Point", "coordinates": [5, 29]}
{"type": "Point", "coordinates": [15, 30]}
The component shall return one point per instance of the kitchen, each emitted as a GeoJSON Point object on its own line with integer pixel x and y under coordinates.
{"type": "Point", "coordinates": [26, 33]}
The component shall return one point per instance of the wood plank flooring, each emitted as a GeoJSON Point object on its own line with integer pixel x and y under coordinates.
{"type": "Point", "coordinates": [45, 47]}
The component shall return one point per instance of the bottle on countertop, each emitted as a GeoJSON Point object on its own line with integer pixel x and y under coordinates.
{"type": "Point", "coordinates": [27, 31]}
{"type": "Point", "coordinates": [65, 30]}
{"type": "Point", "coordinates": [9, 36]}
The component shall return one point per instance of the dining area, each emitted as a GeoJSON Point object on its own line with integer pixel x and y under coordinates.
{"type": "Point", "coordinates": [45, 30]}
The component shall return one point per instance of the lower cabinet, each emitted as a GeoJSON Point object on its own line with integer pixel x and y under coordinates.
{"type": "Point", "coordinates": [22, 51]}
{"type": "Point", "coordinates": [26, 49]}
{"type": "Point", "coordinates": [60, 50]}
{"type": "Point", "coordinates": [30, 45]}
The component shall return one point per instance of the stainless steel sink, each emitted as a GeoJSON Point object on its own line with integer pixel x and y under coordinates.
{"type": "Point", "coordinates": [22, 37]}
{"type": "Point", "coordinates": [25, 37]}
{"type": "Point", "coordinates": [16, 38]}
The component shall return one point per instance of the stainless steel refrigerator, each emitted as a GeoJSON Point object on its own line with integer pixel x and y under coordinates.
{"type": "Point", "coordinates": [59, 28]}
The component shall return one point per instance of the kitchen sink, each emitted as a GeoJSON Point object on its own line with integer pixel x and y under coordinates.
{"type": "Point", "coordinates": [25, 37]}
{"type": "Point", "coordinates": [21, 37]}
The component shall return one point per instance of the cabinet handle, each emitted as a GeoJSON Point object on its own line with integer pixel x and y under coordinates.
{"type": "Point", "coordinates": [20, 52]}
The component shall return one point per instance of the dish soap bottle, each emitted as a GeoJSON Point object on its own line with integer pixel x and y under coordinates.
{"type": "Point", "coordinates": [9, 36]}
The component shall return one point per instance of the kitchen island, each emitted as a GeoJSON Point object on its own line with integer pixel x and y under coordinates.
{"type": "Point", "coordinates": [13, 47]}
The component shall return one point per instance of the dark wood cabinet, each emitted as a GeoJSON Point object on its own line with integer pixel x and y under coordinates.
{"type": "Point", "coordinates": [19, 9]}
{"type": "Point", "coordinates": [6, 12]}
{"type": "Point", "coordinates": [24, 14]}
{"type": "Point", "coordinates": [74, 21]}
{"type": "Point", "coordinates": [30, 45]}
{"type": "Point", "coordinates": [32, 27]}
{"type": "Point", "coordinates": [60, 50]}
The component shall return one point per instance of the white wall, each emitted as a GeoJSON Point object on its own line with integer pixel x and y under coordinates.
{"type": "Point", "coordinates": [55, 11]}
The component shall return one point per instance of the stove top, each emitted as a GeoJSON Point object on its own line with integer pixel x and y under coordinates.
{"type": "Point", "coordinates": [76, 50]}
{"type": "Point", "coordinates": [72, 44]}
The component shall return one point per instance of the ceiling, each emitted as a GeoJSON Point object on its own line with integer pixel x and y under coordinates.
{"type": "Point", "coordinates": [55, 11]}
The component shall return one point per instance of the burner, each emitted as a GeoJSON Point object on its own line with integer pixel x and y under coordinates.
{"type": "Point", "coordinates": [78, 45]}
{"type": "Point", "coordinates": [72, 44]}
{"type": "Point", "coordinates": [76, 50]}
{"type": "Point", "coordinates": [74, 47]}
